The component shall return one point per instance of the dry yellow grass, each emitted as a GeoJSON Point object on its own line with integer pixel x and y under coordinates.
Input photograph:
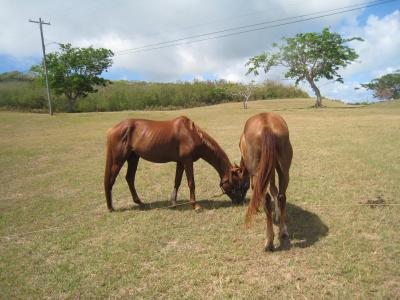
{"type": "Point", "coordinates": [51, 176]}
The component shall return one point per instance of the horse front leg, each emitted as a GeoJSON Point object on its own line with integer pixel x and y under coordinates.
{"type": "Point", "coordinates": [178, 180]}
{"type": "Point", "coordinates": [190, 179]}
{"type": "Point", "coordinates": [269, 245]}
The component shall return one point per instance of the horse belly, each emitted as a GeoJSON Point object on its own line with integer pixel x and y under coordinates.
{"type": "Point", "coordinates": [251, 156]}
{"type": "Point", "coordinates": [156, 154]}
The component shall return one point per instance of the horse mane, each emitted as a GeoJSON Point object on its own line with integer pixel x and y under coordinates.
{"type": "Point", "coordinates": [212, 145]}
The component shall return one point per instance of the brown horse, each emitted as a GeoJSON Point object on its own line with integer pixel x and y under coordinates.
{"type": "Point", "coordinates": [178, 140]}
{"type": "Point", "coordinates": [265, 147]}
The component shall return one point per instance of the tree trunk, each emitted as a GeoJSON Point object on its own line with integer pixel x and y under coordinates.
{"type": "Point", "coordinates": [245, 103]}
{"type": "Point", "coordinates": [71, 104]}
{"type": "Point", "coordinates": [318, 103]}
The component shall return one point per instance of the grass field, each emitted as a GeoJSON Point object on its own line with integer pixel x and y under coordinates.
{"type": "Point", "coordinates": [51, 172]}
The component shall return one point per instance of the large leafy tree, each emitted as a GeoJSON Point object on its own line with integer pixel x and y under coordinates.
{"type": "Point", "coordinates": [385, 87]}
{"type": "Point", "coordinates": [75, 72]}
{"type": "Point", "coordinates": [308, 57]}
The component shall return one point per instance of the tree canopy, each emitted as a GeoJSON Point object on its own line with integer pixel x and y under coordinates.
{"type": "Point", "coordinates": [75, 72]}
{"type": "Point", "coordinates": [385, 87]}
{"type": "Point", "coordinates": [308, 57]}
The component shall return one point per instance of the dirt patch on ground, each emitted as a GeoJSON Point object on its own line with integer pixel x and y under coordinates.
{"type": "Point", "coordinates": [378, 202]}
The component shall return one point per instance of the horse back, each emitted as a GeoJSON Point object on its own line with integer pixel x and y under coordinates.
{"type": "Point", "coordinates": [157, 141]}
{"type": "Point", "coordinates": [253, 134]}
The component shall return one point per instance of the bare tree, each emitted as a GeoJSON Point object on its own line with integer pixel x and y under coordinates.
{"type": "Point", "coordinates": [245, 91]}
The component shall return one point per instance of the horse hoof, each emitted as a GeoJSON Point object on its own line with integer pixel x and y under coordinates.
{"type": "Point", "coordinates": [111, 210]}
{"type": "Point", "coordinates": [143, 207]}
{"type": "Point", "coordinates": [284, 235]}
{"type": "Point", "coordinates": [269, 247]}
{"type": "Point", "coordinates": [198, 208]}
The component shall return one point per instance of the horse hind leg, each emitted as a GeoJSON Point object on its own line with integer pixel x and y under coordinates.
{"type": "Point", "coordinates": [109, 182]}
{"type": "Point", "coordinates": [269, 244]}
{"type": "Point", "coordinates": [283, 174]}
{"type": "Point", "coordinates": [130, 177]}
{"type": "Point", "coordinates": [178, 180]}
{"type": "Point", "coordinates": [274, 194]}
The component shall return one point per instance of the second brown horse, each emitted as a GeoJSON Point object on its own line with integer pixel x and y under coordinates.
{"type": "Point", "coordinates": [265, 147]}
{"type": "Point", "coordinates": [178, 140]}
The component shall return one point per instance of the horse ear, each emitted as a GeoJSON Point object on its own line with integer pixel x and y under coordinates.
{"type": "Point", "coordinates": [234, 171]}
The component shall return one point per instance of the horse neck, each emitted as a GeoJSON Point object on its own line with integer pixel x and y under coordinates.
{"type": "Point", "coordinates": [214, 155]}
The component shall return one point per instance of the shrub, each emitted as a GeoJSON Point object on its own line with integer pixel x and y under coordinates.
{"type": "Point", "coordinates": [137, 95]}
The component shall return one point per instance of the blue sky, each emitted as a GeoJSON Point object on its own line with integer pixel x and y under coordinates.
{"type": "Point", "coordinates": [379, 11]}
{"type": "Point", "coordinates": [123, 25]}
{"type": "Point", "coordinates": [11, 63]}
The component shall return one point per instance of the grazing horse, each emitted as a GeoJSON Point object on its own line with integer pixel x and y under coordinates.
{"type": "Point", "coordinates": [178, 140]}
{"type": "Point", "coordinates": [265, 147]}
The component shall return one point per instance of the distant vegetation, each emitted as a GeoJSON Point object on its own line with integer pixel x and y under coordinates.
{"type": "Point", "coordinates": [15, 76]}
{"type": "Point", "coordinates": [20, 91]}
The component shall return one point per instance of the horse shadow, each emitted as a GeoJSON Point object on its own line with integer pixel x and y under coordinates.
{"type": "Point", "coordinates": [182, 205]}
{"type": "Point", "coordinates": [305, 228]}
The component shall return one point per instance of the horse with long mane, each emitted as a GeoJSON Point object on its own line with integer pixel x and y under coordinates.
{"type": "Point", "coordinates": [265, 147]}
{"type": "Point", "coordinates": [178, 140]}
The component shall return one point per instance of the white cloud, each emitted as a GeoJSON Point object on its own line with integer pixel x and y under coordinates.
{"type": "Point", "coordinates": [381, 72]}
{"type": "Point", "coordinates": [381, 45]}
{"type": "Point", "coordinates": [378, 55]}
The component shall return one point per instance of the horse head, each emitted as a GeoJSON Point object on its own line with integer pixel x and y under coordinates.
{"type": "Point", "coordinates": [236, 184]}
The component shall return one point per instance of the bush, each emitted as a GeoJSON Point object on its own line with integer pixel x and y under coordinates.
{"type": "Point", "coordinates": [137, 95]}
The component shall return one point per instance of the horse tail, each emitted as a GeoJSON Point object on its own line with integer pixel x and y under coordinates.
{"type": "Point", "coordinates": [107, 171]}
{"type": "Point", "coordinates": [266, 169]}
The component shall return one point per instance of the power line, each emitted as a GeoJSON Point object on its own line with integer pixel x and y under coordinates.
{"type": "Point", "coordinates": [40, 22]}
{"type": "Point", "coordinates": [242, 27]}
{"type": "Point", "coordinates": [211, 22]}
{"type": "Point", "coordinates": [172, 43]}
{"type": "Point", "coordinates": [139, 49]}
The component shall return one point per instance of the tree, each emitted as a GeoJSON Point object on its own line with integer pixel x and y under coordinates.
{"type": "Point", "coordinates": [75, 72]}
{"type": "Point", "coordinates": [245, 91]}
{"type": "Point", "coordinates": [308, 57]}
{"type": "Point", "coordinates": [385, 87]}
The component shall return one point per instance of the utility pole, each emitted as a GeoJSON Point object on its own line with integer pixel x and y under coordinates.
{"type": "Point", "coordinates": [40, 22]}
